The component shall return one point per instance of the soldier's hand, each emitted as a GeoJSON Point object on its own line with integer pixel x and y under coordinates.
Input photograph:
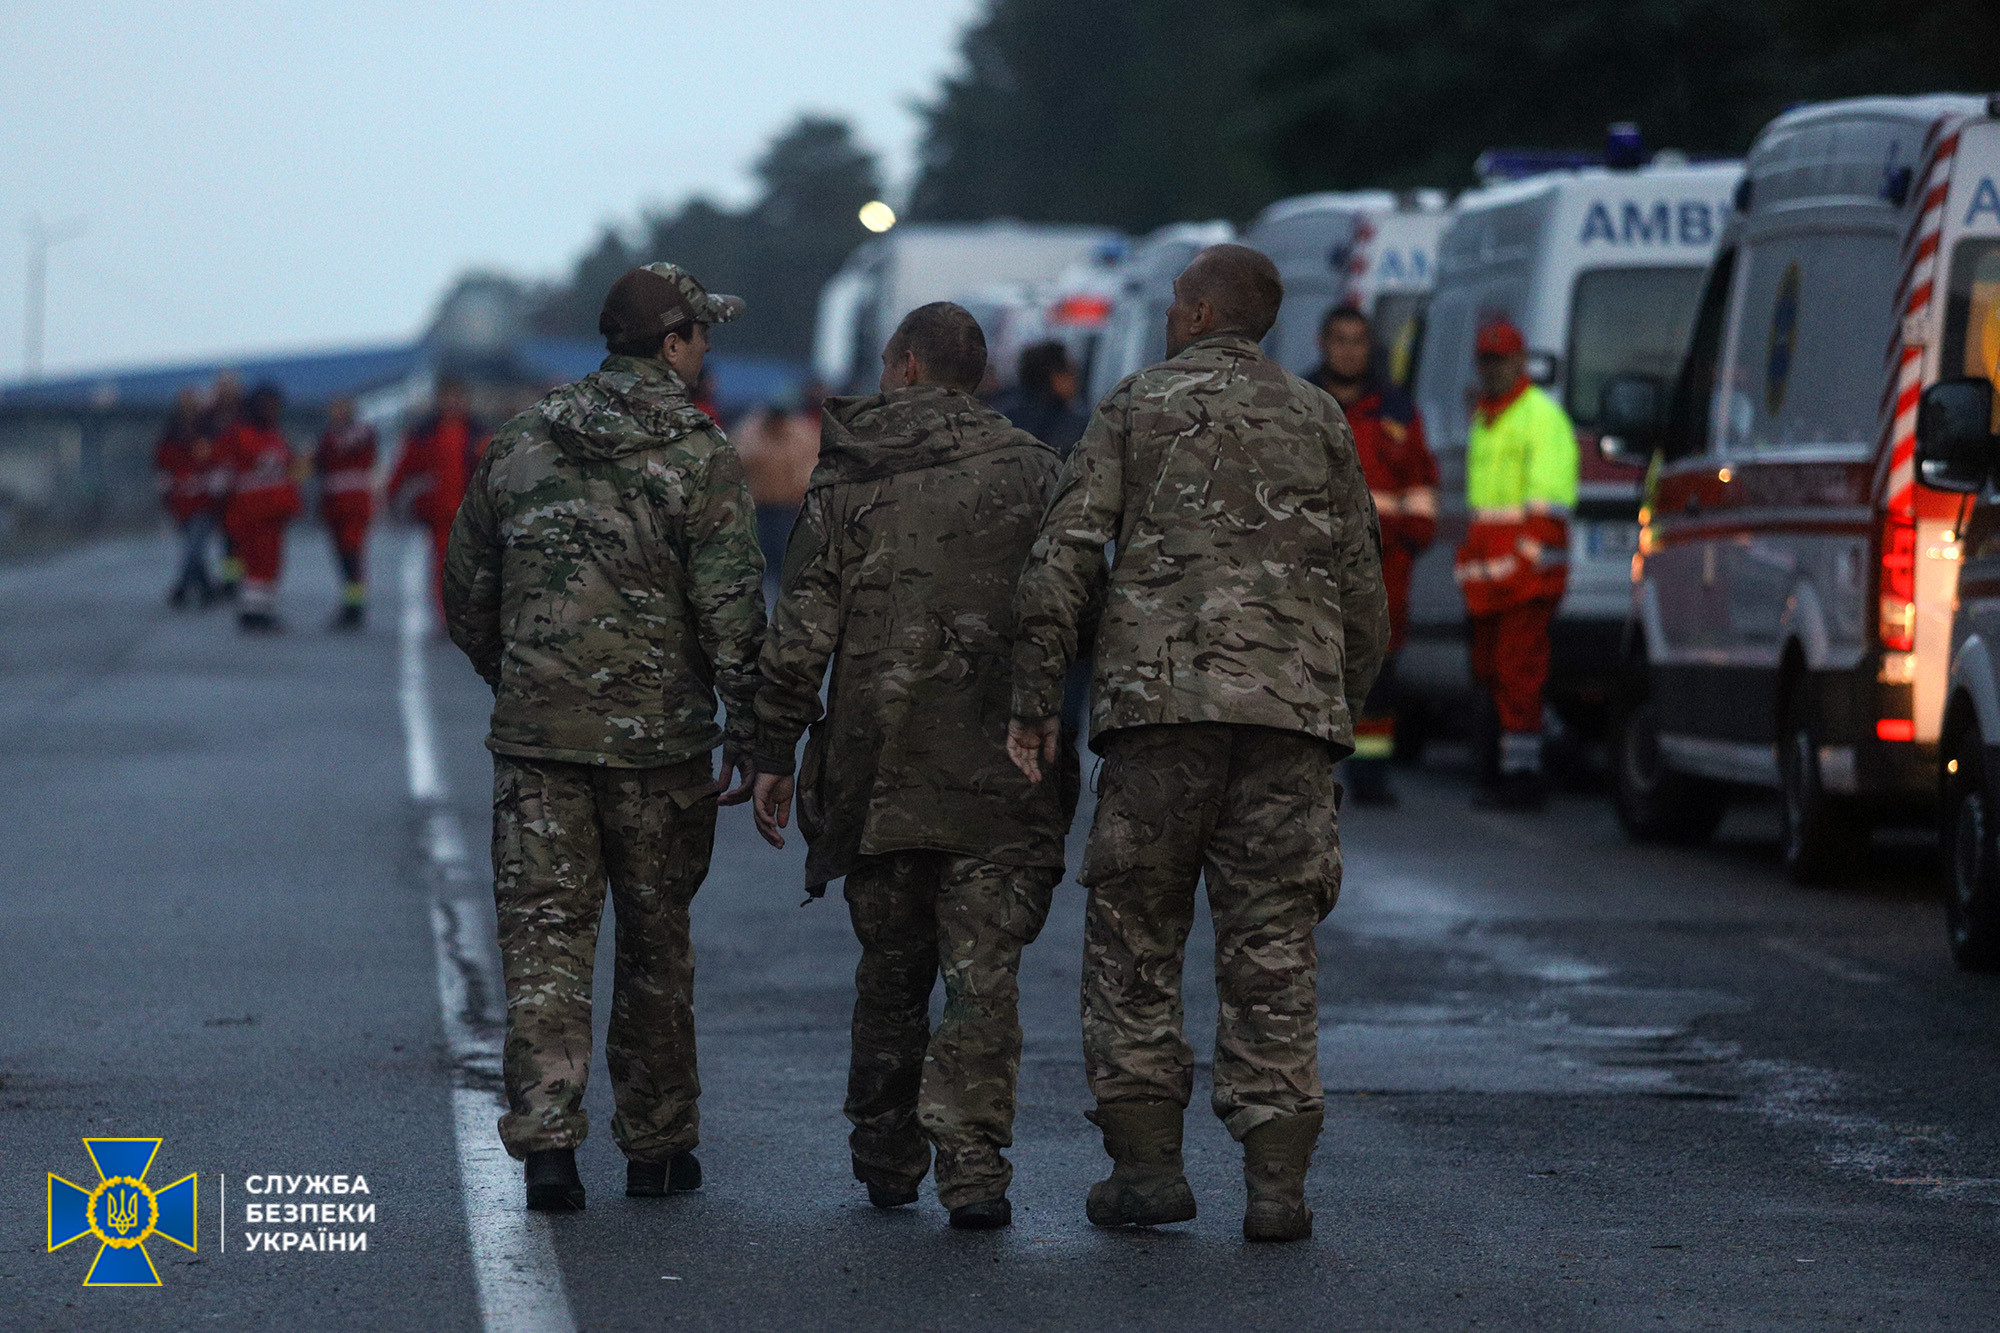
{"type": "Point", "coordinates": [1032, 744]}
{"type": "Point", "coordinates": [744, 772]}
{"type": "Point", "coordinates": [772, 806]}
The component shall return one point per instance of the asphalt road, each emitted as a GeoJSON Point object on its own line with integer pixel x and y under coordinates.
{"type": "Point", "coordinates": [1572, 1084]}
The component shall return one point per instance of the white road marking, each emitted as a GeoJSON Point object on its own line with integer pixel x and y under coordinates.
{"type": "Point", "coordinates": [513, 1258]}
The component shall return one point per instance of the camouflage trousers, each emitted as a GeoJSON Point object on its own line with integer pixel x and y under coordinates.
{"type": "Point", "coordinates": [561, 834]}
{"type": "Point", "coordinates": [917, 913]}
{"type": "Point", "coordinates": [1251, 810]}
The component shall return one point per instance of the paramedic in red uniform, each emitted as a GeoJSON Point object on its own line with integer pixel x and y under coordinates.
{"type": "Point", "coordinates": [345, 461]}
{"type": "Point", "coordinates": [1403, 477]}
{"type": "Point", "coordinates": [437, 461]}
{"type": "Point", "coordinates": [263, 499]}
{"type": "Point", "coordinates": [1520, 487]}
{"type": "Point", "coordinates": [184, 461]}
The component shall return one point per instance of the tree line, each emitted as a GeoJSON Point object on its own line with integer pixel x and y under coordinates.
{"type": "Point", "coordinates": [1135, 113]}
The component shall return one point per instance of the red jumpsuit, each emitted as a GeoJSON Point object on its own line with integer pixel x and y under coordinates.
{"type": "Point", "coordinates": [262, 500]}
{"type": "Point", "coordinates": [1402, 477]}
{"type": "Point", "coordinates": [437, 462]}
{"type": "Point", "coordinates": [186, 468]}
{"type": "Point", "coordinates": [345, 461]}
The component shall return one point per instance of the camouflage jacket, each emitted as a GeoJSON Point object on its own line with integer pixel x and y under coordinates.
{"type": "Point", "coordinates": [1247, 584]}
{"type": "Point", "coordinates": [604, 575]}
{"type": "Point", "coordinates": [901, 570]}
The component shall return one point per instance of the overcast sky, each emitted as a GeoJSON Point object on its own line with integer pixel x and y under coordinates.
{"type": "Point", "coordinates": [266, 177]}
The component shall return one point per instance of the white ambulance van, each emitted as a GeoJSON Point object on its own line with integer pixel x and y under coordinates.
{"type": "Point", "coordinates": [1795, 593]}
{"type": "Point", "coordinates": [1135, 330]}
{"type": "Point", "coordinates": [1958, 450]}
{"type": "Point", "coordinates": [1370, 249]}
{"type": "Point", "coordinates": [917, 263]}
{"type": "Point", "coordinates": [1601, 269]}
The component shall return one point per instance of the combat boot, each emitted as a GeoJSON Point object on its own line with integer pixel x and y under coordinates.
{"type": "Point", "coordinates": [553, 1184]}
{"type": "Point", "coordinates": [985, 1215]}
{"type": "Point", "coordinates": [1276, 1156]}
{"type": "Point", "coordinates": [1146, 1187]}
{"type": "Point", "coordinates": [679, 1174]}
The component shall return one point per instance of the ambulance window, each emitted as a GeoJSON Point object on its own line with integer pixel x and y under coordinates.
{"type": "Point", "coordinates": [1972, 312]}
{"type": "Point", "coordinates": [1806, 366]}
{"type": "Point", "coordinates": [1627, 321]}
{"type": "Point", "coordinates": [1694, 389]}
{"type": "Point", "coordinates": [1445, 370]}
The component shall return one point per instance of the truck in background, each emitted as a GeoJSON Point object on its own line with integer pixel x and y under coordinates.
{"type": "Point", "coordinates": [916, 263]}
{"type": "Point", "coordinates": [1601, 269]}
{"type": "Point", "coordinates": [1796, 588]}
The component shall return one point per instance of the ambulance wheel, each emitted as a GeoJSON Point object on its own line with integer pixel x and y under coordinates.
{"type": "Point", "coordinates": [1656, 804]}
{"type": "Point", "coordinates": [1972, 903]}
{"type": "Point", "coordinates": [1824, 838]}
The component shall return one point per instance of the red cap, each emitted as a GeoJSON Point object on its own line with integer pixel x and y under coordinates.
{"type": "Point", "coordinates": [1500, 338]}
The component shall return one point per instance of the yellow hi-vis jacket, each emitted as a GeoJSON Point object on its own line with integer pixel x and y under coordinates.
{"type": "Point", "coordinates": [1520, 486]}
{"type": "Point", "coordinates": [1524, 461]}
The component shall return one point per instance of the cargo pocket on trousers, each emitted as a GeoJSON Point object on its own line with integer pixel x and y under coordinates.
{"type": "Point", "coordinates": [516, 800]}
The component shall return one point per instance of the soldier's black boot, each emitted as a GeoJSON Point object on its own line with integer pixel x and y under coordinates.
{"type": "Point", "coordinates": [553, 1184]}
{"type": "Point", "coordinates": [986, 1215]}
{"type": "Point", "coordinates": [679, 1174]}
{"type": "Point", "coordinates": [1147, 1186]}
{"type": "Point", "coordinates": [1276, 1156]}
{"type": "Point", "coordinates": [889, 1196]}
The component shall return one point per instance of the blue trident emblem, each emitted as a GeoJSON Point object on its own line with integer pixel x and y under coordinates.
{"type": "Point", "coordinates": [122, 1212]}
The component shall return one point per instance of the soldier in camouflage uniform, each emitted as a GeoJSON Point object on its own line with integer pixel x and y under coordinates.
{"type": "Point", "coordinates": [1245, 619]}
{"type": "Point", "coordinates": [901, 570]}
{"type": "Point", "coordinates": [604, 577]}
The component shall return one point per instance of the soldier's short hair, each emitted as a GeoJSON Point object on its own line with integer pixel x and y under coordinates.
{"type": "Point", "coordinates": [947, 342]}
{"type": "Point", "coordinates": [1240, 284]}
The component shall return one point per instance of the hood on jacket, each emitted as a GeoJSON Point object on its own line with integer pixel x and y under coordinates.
{"type": "Point", "coordinates": [628, 404]}
{"type": "Point", "coordinates": [908, 429]}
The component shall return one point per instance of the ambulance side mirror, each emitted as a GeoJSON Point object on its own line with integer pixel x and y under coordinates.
{"type": "Point", "coordinates": [1955, 440]}
{"type": "Point", "coordinates": [1631, 410]}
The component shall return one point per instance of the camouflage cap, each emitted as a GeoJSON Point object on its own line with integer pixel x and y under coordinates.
{"type": "Point", "coordinates": [647, 302]}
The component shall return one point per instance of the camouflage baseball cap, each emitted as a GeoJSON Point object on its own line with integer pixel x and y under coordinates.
{"type": "Point", "coordinates": [646, 302]}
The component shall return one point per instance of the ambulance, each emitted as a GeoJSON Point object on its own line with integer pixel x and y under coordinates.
{"type": "Point", "coordinates": [1369, 249]}
{"type": "Point", "coordinates": [917, 263]}
{"type": "Point", "coordinates": [1958, 452]}
{"type": "Point", "coordinates": [1601, 269]}
{"type": "Point", "coordinates": [1135, 329]}
{"type": "Point", "coordinates": [1794, 597]}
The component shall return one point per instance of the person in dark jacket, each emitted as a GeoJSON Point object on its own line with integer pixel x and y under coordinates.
{"type": "Point", "coordinates": [1043, 401]}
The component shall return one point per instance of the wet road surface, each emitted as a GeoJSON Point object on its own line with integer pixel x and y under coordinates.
{"type": "Point", "coordinates": [1572, 1084]}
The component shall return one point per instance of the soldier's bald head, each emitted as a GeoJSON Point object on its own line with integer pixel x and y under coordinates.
{"type": "Point", "coordinates": [1241, 286]}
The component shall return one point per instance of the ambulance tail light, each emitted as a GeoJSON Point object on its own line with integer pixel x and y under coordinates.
{"type": "Point", "coordinates": [1897, 624]}
{"type": "Point", "coordinates": [1083, 311]}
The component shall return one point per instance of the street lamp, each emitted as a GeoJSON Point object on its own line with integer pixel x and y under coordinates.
{"type": "Point", "coordinates": [877, 216]}
{"type": "Point", "coordinates": [40, 238]}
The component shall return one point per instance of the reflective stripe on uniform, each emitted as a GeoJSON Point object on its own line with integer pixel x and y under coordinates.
{"type": "Point", "coordinates": [1497, 570]}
